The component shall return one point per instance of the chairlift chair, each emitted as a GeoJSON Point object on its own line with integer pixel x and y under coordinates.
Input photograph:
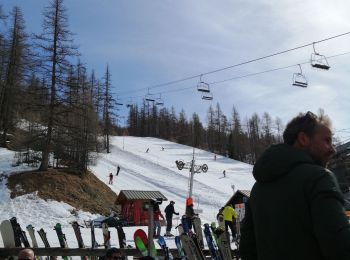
{"type": "Point", "coordinates": [118, 102]}
{"type": "Point", "coordinates": [149, 97]}
{"type": "Point", "coordinates": [203, 86]}
{"type": "Point", "coordinates": [207, 96]}
{"type": "Point", "coordinates": [319, 61]}
{"type": "Point", "coordinates": [159, 101]}
{"type": "Point", "coordinates": [299, 79]}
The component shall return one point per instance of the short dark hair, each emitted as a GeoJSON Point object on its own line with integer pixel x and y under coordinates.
{"type": "Point", "coordinates": [306, 123]}
{"type": "Point", "coordinates": [111, 251]}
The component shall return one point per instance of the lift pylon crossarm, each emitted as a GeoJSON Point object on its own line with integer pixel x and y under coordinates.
{"type": "Point", "coordinates": [319, 61]}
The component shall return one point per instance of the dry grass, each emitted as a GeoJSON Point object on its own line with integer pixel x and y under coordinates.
{"type": "Point", "coordinates": [86, 193]}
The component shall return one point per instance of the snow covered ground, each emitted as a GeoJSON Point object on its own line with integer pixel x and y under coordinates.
{"type": "Point", "coordinates": [155, 170]}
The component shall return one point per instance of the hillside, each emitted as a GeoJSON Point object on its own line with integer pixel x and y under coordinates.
{"type": "Point", "coordinates": [83, 193]}
{"type": "Point", "coordinates": [156, 170]}
{"type": "Point", "coordinates": [45, 205]}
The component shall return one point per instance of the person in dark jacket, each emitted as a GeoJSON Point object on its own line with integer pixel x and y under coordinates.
{"type": "Point", "coordinates": [295, 210]}
{"type": "Point", "coordinates": [169, 212]}
{"type": "Point", "coordinates": [189, 212]}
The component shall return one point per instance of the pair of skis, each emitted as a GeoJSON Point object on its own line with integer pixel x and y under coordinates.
{"type": "Point", "coordinates": [221, 241]}
{"type": "Point", "coordinates": [192, 243]}
{"type": "Point", "coordinates": [12, 233]}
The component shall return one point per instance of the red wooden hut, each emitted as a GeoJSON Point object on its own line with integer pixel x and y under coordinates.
{"type": "Point", "coordinates": [133, 205]}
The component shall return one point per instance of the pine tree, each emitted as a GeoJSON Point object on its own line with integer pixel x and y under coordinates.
{"type": "Point", "coordinates": [16, 62]}
{"type": "Point", "coordinates": [55, 46]}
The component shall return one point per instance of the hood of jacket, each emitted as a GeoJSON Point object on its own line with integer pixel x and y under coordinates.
{"type": "Point", "coordinates": [277, 161]}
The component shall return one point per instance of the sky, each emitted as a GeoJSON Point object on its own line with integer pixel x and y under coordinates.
{"type": "Point", "coordinates": [153, 171]}
{"type": "Point", "coordinates": [147, 43]}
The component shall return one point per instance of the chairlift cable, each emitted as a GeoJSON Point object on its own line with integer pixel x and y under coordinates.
{"type": "Point", "coordinates": [235, 65]}
{"type": "Point", "coordinates": [239, 77]}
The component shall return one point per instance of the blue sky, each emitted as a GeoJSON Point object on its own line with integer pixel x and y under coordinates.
{"type": "Point", "coordinates": [146, 43]}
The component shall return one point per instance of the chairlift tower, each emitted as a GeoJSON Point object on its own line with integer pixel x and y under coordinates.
{"type": "Point", "coordinates": [191, 176]}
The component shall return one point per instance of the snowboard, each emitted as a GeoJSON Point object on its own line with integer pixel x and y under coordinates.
{"type": "Point", "coordinates": [7, 234]}
{"type": "Point", "coordinates": [140, 233]}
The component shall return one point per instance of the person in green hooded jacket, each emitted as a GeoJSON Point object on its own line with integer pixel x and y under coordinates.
{"type": "Point", "coordinates": [296, 210]}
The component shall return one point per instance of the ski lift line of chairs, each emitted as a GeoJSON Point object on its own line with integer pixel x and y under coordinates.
{"type": "Point", "coordinates": [318, 61]}
{"type": "Point", "coordinates": [204, 88]}
{"type": "Point", "coordinates": [299, 79]}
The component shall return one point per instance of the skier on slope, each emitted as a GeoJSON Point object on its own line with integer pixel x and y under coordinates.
{"type": "Point", "coordinates": [169, 211]}
{"type": "Point", "coordinates": [118, 169]}
{"type": "Point", "coordinates": [110, 178]}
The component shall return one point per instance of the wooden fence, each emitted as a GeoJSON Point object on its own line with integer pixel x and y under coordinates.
{"type": "Point", "coordinates": [57, 251]}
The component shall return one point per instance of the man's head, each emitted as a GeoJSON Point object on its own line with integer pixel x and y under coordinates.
{"type": "Point", "coordinates": [26, 254]}
{"type": "Point", "coordinates": [112, 254]}
{"type": "Point", "coordinates": [172, 202]}
{"type": "Point", "coordinates": [311, 134]}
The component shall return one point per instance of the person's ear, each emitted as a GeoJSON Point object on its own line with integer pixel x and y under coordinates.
{"type": "Point", "coordinates": [303, 139]}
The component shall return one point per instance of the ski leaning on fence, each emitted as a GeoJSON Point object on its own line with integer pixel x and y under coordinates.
{"type": "Point", "coordinates": [7, 234]}
{"type": "Point", "coordinates": [94, 244]}
{"type": "Point", "coordinates": [214, 250]}
{"type": "Point", "coordinates": [197, 226]}
{"type": "Point", "coordinates": [20, 235]}
{"type": "Point", "coordinates": [162, 244]}
{"type": "Point", "coordinates": [61, 238]}
{"type": "Point", "coordinates": [179, 248]}
{"type": "Point", "coordinates": [31, 233]}
{"type": "Point", "coordinates": [43, 237]}
{"type": "Point", "coordinates": [121, 238]}
{"type": "Point", "coordinates": [223, 242]}
{"type": "Point", "coordinates": [189, 241]}
{"type": "Point", "coordinates": [77, 232]}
